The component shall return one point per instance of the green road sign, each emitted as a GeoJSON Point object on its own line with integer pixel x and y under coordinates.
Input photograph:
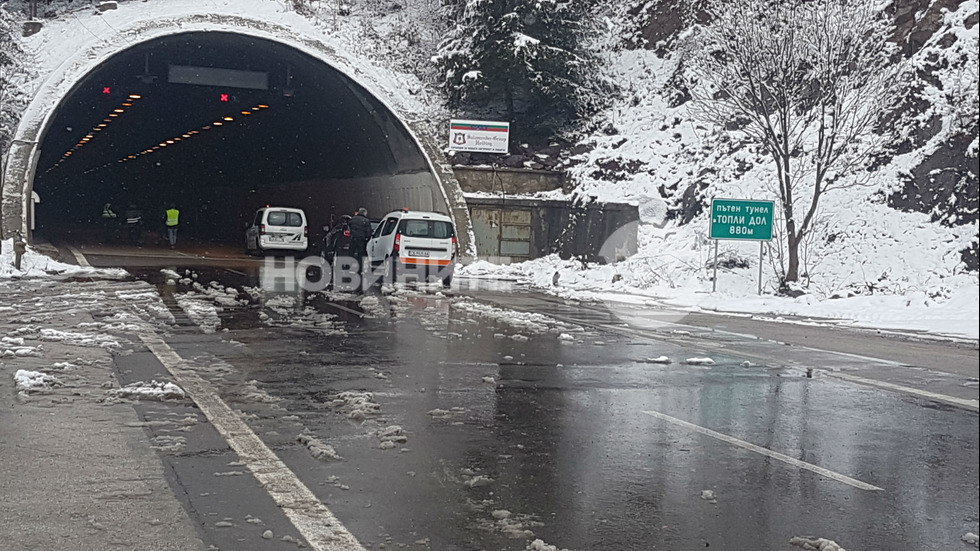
{"type": "Point", "coordinates": [741, 219]}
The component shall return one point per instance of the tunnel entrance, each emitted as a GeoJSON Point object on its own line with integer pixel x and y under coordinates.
{"type": "Point", "coordinates": [219, 124]}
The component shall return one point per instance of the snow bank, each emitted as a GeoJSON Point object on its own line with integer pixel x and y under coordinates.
{"type": "Point", "coordinates": [35, 264]}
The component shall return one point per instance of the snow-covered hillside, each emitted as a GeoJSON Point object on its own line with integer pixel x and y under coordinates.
{"type": "Point", "coordinates": [904, 243]}
{"type": "Point", "coordinates": [654, 152]}
{"type": "Point", "coordinates": [895, 245]}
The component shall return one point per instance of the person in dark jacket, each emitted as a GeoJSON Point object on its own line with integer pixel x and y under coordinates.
{"type": "Point", "coordinates": [109, 222]}
{"type": "Point", "coordinates": [134, 224]}
{"type": "Point", "coordinates": [360, 232]}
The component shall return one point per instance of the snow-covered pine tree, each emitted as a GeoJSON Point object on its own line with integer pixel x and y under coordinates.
{"type": "Point", "coordinates": [523, 61]}
{"type": "Point", "coordinates": [9, 54]}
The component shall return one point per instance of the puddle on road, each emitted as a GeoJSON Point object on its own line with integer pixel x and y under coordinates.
{"type": "Point", "coordinates": [226, 299]}
{"type": "Point", "coordinates": [540, 419]}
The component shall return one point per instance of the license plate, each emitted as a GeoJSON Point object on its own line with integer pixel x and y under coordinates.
{"type": "Point", "coordinates": [424, 254]}
{"type": "Point", "coordinates": [277, 238]}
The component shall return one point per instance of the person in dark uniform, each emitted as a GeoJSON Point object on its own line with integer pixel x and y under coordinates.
{"type": "Point", "coordinates": [134, 224]}
{"type": "Point", "coordinates": [360, 233]}
{"type": "Point", "coordinates": [109, 222]}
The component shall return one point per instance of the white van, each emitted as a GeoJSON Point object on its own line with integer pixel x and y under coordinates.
{"type": "Point", "coordinates": [415, 244]}
{"type": "Point", "coordinates": [277, 229]}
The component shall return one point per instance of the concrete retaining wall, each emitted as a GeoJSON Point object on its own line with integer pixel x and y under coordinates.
{"type": "Point", "coordinates": [512, 230]}
{"type": "Point", "coordinates": [509, 181]}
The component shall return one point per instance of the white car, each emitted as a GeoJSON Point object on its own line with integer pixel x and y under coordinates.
{"type": "Point", "coordinates": [277, 229]}
{"type": "Point", "coordinates": [416, 245]}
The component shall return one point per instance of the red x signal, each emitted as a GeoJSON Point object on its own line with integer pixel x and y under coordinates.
{"type": "Point", "coordinates": [106, 90]}
{"type": "Point", "coordinates": [224, 97]}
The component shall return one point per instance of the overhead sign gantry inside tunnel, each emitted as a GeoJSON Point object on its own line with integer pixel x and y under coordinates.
{"type": "Point", "coordinates": [222, 123]}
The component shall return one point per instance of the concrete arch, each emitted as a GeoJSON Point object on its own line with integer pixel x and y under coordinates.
{"type": "Point", "coordinates": [429, 184]}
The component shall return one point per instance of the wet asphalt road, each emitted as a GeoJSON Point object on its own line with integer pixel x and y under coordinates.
{"type": "Point", "coordinates": [562, 428]}
{"type": "Point", "coordinates": [448, 421]}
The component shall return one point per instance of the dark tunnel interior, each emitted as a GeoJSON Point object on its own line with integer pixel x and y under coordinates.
{"type": "Point", "coordinates": [217, 124]}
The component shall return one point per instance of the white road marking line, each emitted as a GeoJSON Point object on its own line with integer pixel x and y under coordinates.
{"type": "Point", "coordinates": [766, 452]}
{"type": "Point", "coordinates": [973, 405]}
{"type": "Point", "coordinates": [79, 257]}
{"type": "Point", "coordinates": [962, 402]}
{"type": "Point", "coordinates": [310, 516]}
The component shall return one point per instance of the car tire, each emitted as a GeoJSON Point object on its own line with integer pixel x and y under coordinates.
{"type": "Point", "coordinates": [389, 271]}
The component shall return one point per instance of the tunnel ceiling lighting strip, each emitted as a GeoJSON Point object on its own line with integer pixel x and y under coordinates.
{"type": "Point", "coordinates": [179, 138]}
{"type": "Point", "coordinates": [111, 116]}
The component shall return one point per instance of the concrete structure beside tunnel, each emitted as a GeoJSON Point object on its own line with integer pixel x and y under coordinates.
{"type": "Point", "coordinates": [427, 184]}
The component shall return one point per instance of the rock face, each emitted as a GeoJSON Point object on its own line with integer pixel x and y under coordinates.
{"type": "Point", "coordinates": [944, 185]}
{"type": "Point", "coordinates": [916, 21]}
{"type": "Point", "coordinates": [945, 182]}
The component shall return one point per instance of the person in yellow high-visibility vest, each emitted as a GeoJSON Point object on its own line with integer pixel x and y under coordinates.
{"type": "Point", "coordinates": [172, 221]}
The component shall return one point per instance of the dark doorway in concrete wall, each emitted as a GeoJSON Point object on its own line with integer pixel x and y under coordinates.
{"type": "Point", "coordinates": [219, 124]}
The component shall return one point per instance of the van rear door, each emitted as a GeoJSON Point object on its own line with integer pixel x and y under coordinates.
{"type": "Point", "coordinates": [426, 241]}
{"type": "Point", "coordinates": [285, 227]}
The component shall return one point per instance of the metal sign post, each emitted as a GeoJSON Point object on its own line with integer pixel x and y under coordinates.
{"type": "Point", "coordinates": [714, 278]}
{"type": "Point", "coordinates": [760, 267]}
{"type": "Point", "coordinates": [741, 220]}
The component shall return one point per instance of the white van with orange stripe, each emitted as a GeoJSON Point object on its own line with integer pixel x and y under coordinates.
{"type": "Point", "coordinates": [415, 245]}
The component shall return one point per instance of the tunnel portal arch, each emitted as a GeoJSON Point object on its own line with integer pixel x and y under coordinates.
{"type": "Point", "coordinates": [302, 132]}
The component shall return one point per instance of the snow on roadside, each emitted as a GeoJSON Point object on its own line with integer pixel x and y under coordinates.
{"type": "Point", "coordinates": [28, 381]}
{"type": "Point", "coordinates": [100, 340]}
{"type": "Point", "coordinates": [318, 449]}
{"type": "Point", "coordinates": [818, 544]}
{"type": "Point", "coordinates": [153, 390]}
{"type": "Point", "coordinates": [530, 322]}
{"type": "Point", "coordinates": [372, 308]}
{"type": "Point", "coordinates": [22, 351]}
{"type": "Point", "coordinates": [200, 310]}
{"type": "Point", "coordinates": [290, 310]}
{"type": "Point", "coordinates": [946, 309]}
{"type": "Point", "coordinates": [357, 405]}
{"type": "Point", "coordinates": [540, 545]}
{"type": "Point", "coordinates": [36, 265]}
{"type": "Point", "coordinates": [203, 303]}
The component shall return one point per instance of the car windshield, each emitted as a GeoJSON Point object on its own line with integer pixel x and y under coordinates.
{"type": "Point", "coordinates": [280, 218]}
{"type": "Point", "coordinates": [434, 229]}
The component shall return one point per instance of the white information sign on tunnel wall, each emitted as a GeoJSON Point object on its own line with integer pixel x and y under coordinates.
{"type": "Point", "coordinates": [479, 136]}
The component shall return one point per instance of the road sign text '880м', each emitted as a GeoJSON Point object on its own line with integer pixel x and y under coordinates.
{"type": "Point", "coordinates": [741, 219]}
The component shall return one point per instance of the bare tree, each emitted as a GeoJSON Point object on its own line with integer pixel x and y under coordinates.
{"type": "Point", "coordinates": [806, 80]}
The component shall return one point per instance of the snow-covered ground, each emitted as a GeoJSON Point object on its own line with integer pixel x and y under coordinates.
{"type": "Point", "coordinates": [868, 265]}
{"type": "Point", "coordinates": [35, 264]}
